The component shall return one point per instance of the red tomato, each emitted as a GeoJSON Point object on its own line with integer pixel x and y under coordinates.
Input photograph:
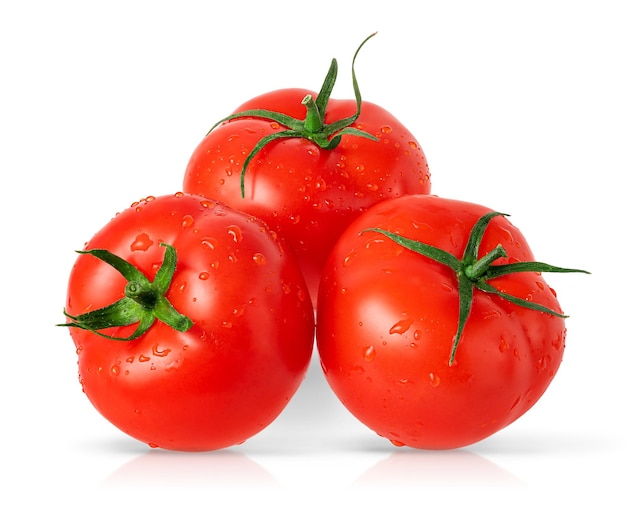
{"type": "Point", "coordinates": [324, 163]}
{"type": "Point", "coordinates": [418, 345]}
{"type": "Point", "coordinates": [234, 330]}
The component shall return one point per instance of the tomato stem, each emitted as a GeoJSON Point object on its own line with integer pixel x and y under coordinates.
{"type": "Point", "coordinates": [472, 272]}
{"type": "Point", "coordinates": [476, 269]}
{"type": "Point", "coordinates": [144, 302]}
{"type": "Point", "coordinates": [312, 128]}
{"type": "Point", "coordinates": [313, 122]}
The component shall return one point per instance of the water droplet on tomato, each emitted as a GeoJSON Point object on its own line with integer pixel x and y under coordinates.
{"type": "Point", "coordinates": [143, 358]}
{"type": "Point", "coordinates": [209, 243]}
{"type": "Point", "coordinates": [386, 129]}
{"type": "Point", "coordinates": [235, 233]}
{"type": "Point", "coordinates": [160, 353]}
{"type": "Point", "coordinates": [239, 311]}
{"type": "Point", "coordinates": [359, 167]}
{"type": "Point", "coordinates": [503, 346]}
{"type": "Point", "coordinates": [369, 353]}
{"type": "Point", "coordinates": [413, 144]}
{"type": "Point", "coordinates": [204, 275]}
{"type": "Point", "coordinates": [259, 259]}
{"type": "Point", "coordinates": [349, 258]}
{"type": "Point", "coordinates": [115, 370]}
{"type": "Point", "coordinates": [397, 443]}
{"type": "Point", "coordinates": [187, 221]}
{"type": "Point", "coordinates": [141, 243]}
{"type": "Point", "coordinates": [434, 379]}
{"type": "Point", "coordinates": [401, 326]}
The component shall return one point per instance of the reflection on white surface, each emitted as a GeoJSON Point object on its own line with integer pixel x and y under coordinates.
{"type": "Point", "coordinates": [459, 468]}
{"type": "Point", "coordinates": [164, 469]}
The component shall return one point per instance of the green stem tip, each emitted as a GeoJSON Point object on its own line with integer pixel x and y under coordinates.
{"type": "Point", "coordinates": [144, 301]}
{"type": "Point", "coordinates": [472, 273]}
{"type": "Point", "coordinates": [313, 128]}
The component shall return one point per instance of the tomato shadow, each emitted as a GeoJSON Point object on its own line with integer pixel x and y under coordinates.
{"type": "Point", "coordinates": [165, 470]}
{"type": "Point", "coordinates": [450, 470]}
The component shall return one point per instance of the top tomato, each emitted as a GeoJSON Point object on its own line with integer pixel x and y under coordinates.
{"type": "Point", "coordinates": [308, 165]}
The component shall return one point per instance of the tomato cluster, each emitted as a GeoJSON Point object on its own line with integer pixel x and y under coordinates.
{"type": "Point", "coordinates": [307, 219]}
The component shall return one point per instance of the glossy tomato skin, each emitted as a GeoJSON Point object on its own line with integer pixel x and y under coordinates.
{"type": "Point", "coordinates": [233, 372]}
{"type": "Point", "coordinates": [387, 317]}
{"type": "Point", "coordinates": [307, 194]}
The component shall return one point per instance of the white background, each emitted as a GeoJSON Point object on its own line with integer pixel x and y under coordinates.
{"type": "Point", "coordinates": [518, 106]}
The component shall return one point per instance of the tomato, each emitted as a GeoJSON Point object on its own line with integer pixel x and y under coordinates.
{"type": "Point", "coordinates": [435, 326]}
{"type": "Point", "coordinates": [193, 325]}
{"type": "Point", "coordinates": [308, 167]}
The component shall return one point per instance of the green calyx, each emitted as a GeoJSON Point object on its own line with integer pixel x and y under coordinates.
{"type": "Point", "coordinates": [473, 273]}
{"type": "Point", "coordinates": [144, 301]}
{"type": "Point", "coordinates": [313, 128]}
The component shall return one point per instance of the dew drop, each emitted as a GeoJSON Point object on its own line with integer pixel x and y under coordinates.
{"type": "Point", "coordinates": [386, 129]}
{"type": "Point", "coordinates": [434, 379]}
{"type": "Point", "coordinates": [397, 443]}
{"type": "Point", "coordinates": [401, 326]}
{"type": "Point", "coordinates": [259, 259]}
{"type": "Point", "coordinates": [503, 346]}
{"type": "Point", "coordinates": [369, 353]}
{"type": "Point", "coordinates": [349, 258]}
{"type": "Point", "coordinates": [208, 243]}
{"type": "Point", "coordinates": [413, 144]}
{"type": "Point", "coordinates": [320, 184]}
{"type": "Point", "coordinates": [235, 232]}
{"type": "Point", "coordinates": [160, 353]}
{"type": "Point", "coordinates": [143, 358]}
{"type": "Point", "coordinates": [204, 275]}
{"type": "Point", "coordinates": [187, 221]}
{"type": "Point", "coordinates": [115, 370]}
{"type": "Point", "coordinates": [141, 243]}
